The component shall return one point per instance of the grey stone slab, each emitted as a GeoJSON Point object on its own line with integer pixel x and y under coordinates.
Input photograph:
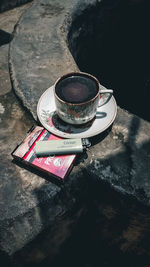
{"type": "Point", "coordinates": [42, 51]}
{"type": "Point", "coordinates": [122, 158]}
{"type": "Point", "coordinates": [40, 46]}
{"type": "Point", "coordinates": [7, 21]}
{"type": "Point", "coordinates": [38, 55]}
{"type": "Point", "coordinates": [28, 202]}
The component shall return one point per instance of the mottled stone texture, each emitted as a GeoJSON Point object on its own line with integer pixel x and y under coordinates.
{"type": "Point", "coordinates": [115, 172]}
{"type": "Point", "coordinates": [42, 51]}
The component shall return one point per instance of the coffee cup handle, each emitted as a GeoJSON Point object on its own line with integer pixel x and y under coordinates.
{"type": "Point", "coordinates": [104, 90]}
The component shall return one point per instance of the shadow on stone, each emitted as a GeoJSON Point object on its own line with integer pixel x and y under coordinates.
{"type": "Point", "coordinates": [111, 42]}
{"type": "Point", "coordinates": [5, 37]}
{"type": "Point", "coordinates": [113, 228]}
{"type": "Point", "coordinates": [5, 260]}
{"type": "Point", "coordinates": [9, 4]}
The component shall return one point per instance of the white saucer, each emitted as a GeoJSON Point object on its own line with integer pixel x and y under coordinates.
{"type": "Point", "coordinates": [46, 111]}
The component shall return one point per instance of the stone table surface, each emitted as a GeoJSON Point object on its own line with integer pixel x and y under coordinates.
{"type": "Point", "coordinates": [119, 157]}
{"type": "Point", "coordinates": [38, 54]}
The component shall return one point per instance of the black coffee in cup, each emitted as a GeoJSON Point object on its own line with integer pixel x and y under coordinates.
{"type": "Point", "coordinates": [76, 89]}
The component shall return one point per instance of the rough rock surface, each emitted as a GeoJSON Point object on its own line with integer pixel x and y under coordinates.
{"type": "Point", "coordinates": [119, 157]}
{"type": "Point", "coordinates": [38, 54]}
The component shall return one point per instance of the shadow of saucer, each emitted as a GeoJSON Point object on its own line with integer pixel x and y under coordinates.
{"type": "Point", "coordinates": [100, 115]}
{"type": "Point", "coordinates": [100, 137]}
{"type": "Point", "coordinates": [70, 128]}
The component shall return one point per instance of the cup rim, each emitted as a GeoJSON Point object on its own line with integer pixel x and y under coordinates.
{"type": "Point", "coordinates": [69, 74]}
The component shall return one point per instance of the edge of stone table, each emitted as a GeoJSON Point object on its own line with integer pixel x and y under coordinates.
{"type": "Point", "coordinates": [8, 4]}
